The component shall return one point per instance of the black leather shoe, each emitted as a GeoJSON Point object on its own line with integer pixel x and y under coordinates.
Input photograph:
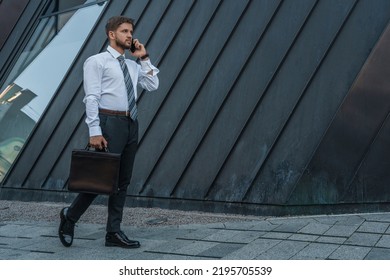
{"type": "Point", "coordinates": [119, 239]}
{"type": "Point", "coordinates": [66, 229]}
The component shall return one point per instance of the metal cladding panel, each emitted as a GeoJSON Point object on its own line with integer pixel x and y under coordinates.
{"type": "Point", "coordinates": [257, 107]}
{"type": "Point", "coordinates": [351, 164]}
{"type": "Point", "coordinates": [186, 147]}
{"type": "Point", "coordinates": [179, 84]}
{"type": "Point", "coordinates": [10, 12]}
{"type": "Point", "coordinates": [267, 57]}
{"type": "Point", "coordinates": [317, 108]}
{"type": "Point", "coordinates": [15, 28]}
{"type": "Point", "coordinates": [370, 182]}
{"type": "Point", "coordinates": [275, 101]}
{"type": "Point", "coordinates": [304, 106]}
{"type": "Point", "coordinates": [191, 82]}
{"type": "Point", "coordinates": [169, 54]}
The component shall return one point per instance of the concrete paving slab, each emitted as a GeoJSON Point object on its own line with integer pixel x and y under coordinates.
{"type": "Point", "coordinates": [384, 241]}
{"type": "Point", "coordinates": [99, 253]}
{"type": "Point", "coordinates": [264, 226]}
{"type": "Point", "coordinates": [10, 254]}
{"type": "Point", "coordinates": [198, 234]}
{"type": "Point", "coordinates": [303, 237]}
{"type": "Point", "coordinates": [221, 250]}
{"type": "Point", "coordinates": [314, 228]}
{"type": "Point", "coordinates": [331, 239]}
{"type": "Point", "coordinates": [167, 233]}
{"type": "Point", "coordinates": [342, 230]}
{"type": "Point", "coordinates": [36, 256]}
{"type": "Point", "coordinates": [43, 244]}
{"type": "Point", "coordinates": [345, 252]}
{"type": "Point", "coordinates": [363, 239]}
{"type": "Point", "coordinates": [328, 219]}
{"type": "Point", "coordinates": [292, 219]}
{"type": "Point", "coordinates": [378, 254]}
{"type": "Point", "coordinates": [292, 227]}
{"type": "Point", "coordinates": [145, 256]}
{"type": "Point", "coordinates": [169, 246]}
{"type": "Point", "coordinates": [246, 236]}
{"type": "Point", "coordinates": [16, 230]}
{"type": "Point", "coordinates": [317, 251]}
{"type": "Point", "coordinates": [252, 250]}
{"type": "Point", "coordinates": [244, 225]}
{"type": "Point", "coordinates": [183, 257]}
{"type": "Point", "coordinates": [277, 235]}
{"type": "Point", "coordinates": [373, 227]}
{"type": "Point", "coordinates": [194, 248]}
{"type": "Point", "coordinates": [376, 217]}
{"type": "Point", "coordinates": [17, 242]}
{"type": "Point", "coordinates": [351, 220]}
{"type": "Point", "coordinates": [283, 251]}
{"type": "Point", "coordinates": [222, 235]}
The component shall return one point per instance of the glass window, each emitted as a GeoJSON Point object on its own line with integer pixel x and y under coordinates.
{"type": "Point", "coordinates": [38, 73]}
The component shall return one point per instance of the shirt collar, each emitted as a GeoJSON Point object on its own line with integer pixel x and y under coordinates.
{"type": "Point", "coordinates": [114, 52]}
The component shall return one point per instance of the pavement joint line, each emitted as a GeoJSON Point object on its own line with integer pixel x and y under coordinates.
{"type": "Point", "coordinates": [211, 257]}
{"type": "Point", "coordinates": [350, 245]}
{"type": "Point", "coordinates": [42, 252]}
{"type": "Point", "coordinates": [370, 232]}
{"type": "Point", "coordinates": [25, 250]}
{"type": "Point", "coordinates": [292, 232]}
{"type": "Point", "coordinates": [243, 230]}
{"type": "Point", "coordinates": [239, 243]}
{"type": "Point", "coordinates": [211, 241]}
{"type": "Point", "coordinates": [79, 238]}
{"type": "Point", "coordinates": [332, 215]}
{"type": "Point", "coordinates": [256, 230]}
{"type": "Point", "coordinates": [16, 237]}
{"type": "Point", "coordinates": [312, 242]}
{"type": "Point", "coordinates": [179, 254]}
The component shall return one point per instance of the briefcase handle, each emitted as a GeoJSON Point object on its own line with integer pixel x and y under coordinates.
{"type": "Point", "coordinates": [88, 147]}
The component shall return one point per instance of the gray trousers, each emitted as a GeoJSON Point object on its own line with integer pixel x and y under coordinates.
{"type": "Point", "coordinates": [121, 134]}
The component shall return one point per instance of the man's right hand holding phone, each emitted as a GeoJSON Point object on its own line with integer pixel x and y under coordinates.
{"type": "Point", "coordinates": [138, 50]}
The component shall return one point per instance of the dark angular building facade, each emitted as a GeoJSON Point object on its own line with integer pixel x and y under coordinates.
{"type": "Point", "coordinates": [265, 107]}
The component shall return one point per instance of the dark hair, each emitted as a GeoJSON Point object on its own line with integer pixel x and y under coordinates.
{"type": "Point", "coordinates": [114, 22]}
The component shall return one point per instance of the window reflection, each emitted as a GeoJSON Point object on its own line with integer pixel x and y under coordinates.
{"type": "Point", "coordinates": [37, 75]}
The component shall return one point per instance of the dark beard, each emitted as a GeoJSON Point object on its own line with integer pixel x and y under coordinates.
{"type": "Point", "coordinates": [123, 46]}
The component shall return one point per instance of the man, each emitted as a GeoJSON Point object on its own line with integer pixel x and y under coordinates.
{"type": "Point", "coordinates": [110, 95]}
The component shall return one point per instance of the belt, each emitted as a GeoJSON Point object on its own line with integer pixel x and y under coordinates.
{"type": "Point", "coordinates": [114, 113]}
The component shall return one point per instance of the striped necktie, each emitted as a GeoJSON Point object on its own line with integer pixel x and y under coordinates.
{"type": "Point", "coordinates": [130, 89]}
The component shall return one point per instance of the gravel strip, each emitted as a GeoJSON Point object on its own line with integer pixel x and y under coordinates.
{"type": "Point", "coordinates": [97, 214]}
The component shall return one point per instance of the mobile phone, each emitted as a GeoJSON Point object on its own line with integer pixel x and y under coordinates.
{"type": "Point", "coordinates": [132, 46]}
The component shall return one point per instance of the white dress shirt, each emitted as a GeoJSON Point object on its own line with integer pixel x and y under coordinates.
{"type": "Point", "coordinates": [105, 88]}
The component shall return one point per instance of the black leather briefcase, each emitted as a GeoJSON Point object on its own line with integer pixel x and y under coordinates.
{"type": "Point", "coordinates": [94, 172]}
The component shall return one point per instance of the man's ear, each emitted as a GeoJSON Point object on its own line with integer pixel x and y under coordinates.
{"type": "Point", "coordinates": [111, 34]}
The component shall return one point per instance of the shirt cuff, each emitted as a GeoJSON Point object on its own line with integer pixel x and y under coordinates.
{"type": "Point", "coordinates": [147, 66]}
{"type": "Point", "coordinates": [95, 131]}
